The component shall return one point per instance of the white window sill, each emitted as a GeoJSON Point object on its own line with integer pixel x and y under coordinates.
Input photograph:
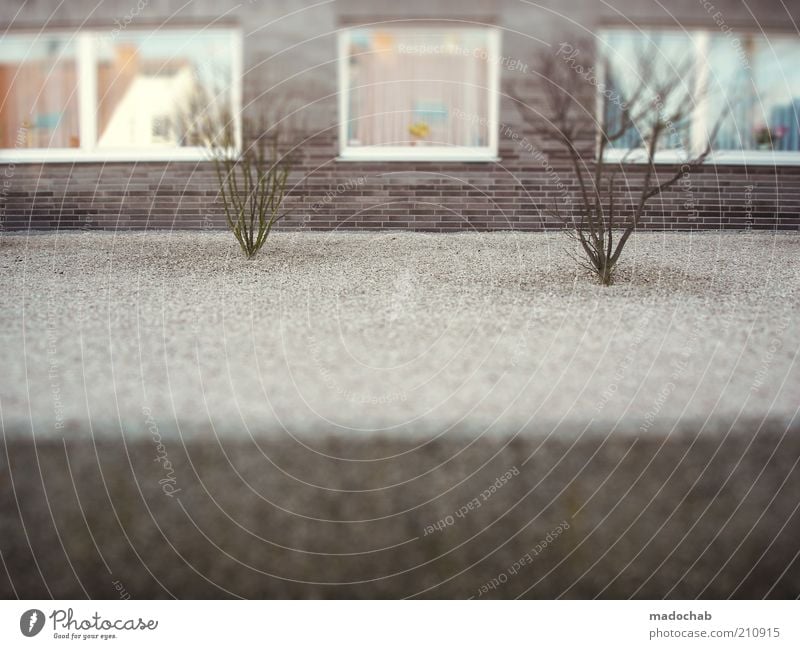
{"type": "Point", "coordinates": [39, 156]}
{"type": "Point", "coordinates": [418, 154]}
{"type": "Point", "coordinates": [750, 158]}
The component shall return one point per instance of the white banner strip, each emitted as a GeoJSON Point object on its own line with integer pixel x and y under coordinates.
{"type": "Point", "coordinates": [400, 624]}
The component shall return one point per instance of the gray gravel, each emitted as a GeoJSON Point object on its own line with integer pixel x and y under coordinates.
{"type": "Point", "coordinates": [392, 331]}
{"type": "Point", "coordinates": [332, 399]}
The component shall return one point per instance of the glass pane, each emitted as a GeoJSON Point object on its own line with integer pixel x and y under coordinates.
{"type": "Point", "coordinates": [776, 77]}
{"type": "Point", "coordinates": [147, 82]}
{"type": "Point", "coordinates": [638, 66]}
{"type": "Point", "coordinates": [755, 84]}
{"type": "Point", "coordinates": [732, 94]}
{"type": "Point", "coordinates": [419, 87]}
{"type": "Point", "coordinates": [39, 92]}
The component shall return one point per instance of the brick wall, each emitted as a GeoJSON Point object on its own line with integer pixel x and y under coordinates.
{"type": "Point", "coordinates": [517, 192]}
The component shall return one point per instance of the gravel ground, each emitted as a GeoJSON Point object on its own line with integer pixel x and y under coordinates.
{"type": "Point", "coordinates": [393, 331]}
{"type": "Point", "coordinates": [334, 418]}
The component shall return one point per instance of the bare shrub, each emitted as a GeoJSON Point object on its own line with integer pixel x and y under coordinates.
{"type": "Point", "coordinates": [641, 118]}
{"type": "Point", "coordinates": [252, 179]}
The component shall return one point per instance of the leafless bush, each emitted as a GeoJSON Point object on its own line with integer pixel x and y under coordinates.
{"type": "Point", "coordinates": [658, 107]}
{"type": "Point", "coordinates": [252, 178]}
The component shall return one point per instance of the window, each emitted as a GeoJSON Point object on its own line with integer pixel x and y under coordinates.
{"type": "Point", "coordinates": [118, 95]}
{"type": "Point", "coordinates": [762, 80]}
{"type": "Point", "coordinates": [39, 93]}
{"type": "Point", "coordinates": [751, 80]}
{"type": "Point", "coordinates": [418, 92]}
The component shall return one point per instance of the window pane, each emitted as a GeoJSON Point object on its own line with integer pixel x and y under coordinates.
{"type": "Point", "coordinates": [39, 92]}
{"type": "Point", "coordinates": [638, 66]}
{"type": "Point", "coordinates": [147, 82]}
{"type": "Point", "coordinates": [777, 80]}
{"type": "Point", "coordinates": [731, 92]}
{"type": "Point", "coordinates": [758, 79]}
{"type": "Point", "coordinates": [752, 82]}
{"type": "Point", "coordinates": [419, 87]}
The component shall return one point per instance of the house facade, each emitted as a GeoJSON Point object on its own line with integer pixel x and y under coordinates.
{"type": "Point", "coordinates": [396, 115]}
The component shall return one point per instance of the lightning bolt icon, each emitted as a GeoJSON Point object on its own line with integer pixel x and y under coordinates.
{"type": "Point", "coordinates": [32, 621]}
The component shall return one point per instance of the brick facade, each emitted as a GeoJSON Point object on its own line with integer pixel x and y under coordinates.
{"type": "Point", "coordinates": [516, 192]}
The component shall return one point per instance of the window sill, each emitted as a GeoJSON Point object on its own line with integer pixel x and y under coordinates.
{"type": "Point", "coordinates": [740, 158]}
{"type": "Point", "coordinates": [44, 156]}
{"type": "Point", "coordinates": [421, 154]}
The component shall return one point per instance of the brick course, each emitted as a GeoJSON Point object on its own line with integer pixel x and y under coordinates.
{"type": "Point", "coordinates": [512, 193]}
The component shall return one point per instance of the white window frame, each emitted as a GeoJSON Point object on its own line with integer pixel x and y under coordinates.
{"type": "Point", "coordinates": [699, 128]}
{"type": "Point", "coordinates": [88, 151]}
{"type": "Point", "coordinates": [374, 153]}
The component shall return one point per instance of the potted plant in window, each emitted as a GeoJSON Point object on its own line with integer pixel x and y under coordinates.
{"type": "Point", "coordinates": [419, 131]}
{"type": "Point", "coordinates": [767, 138]}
